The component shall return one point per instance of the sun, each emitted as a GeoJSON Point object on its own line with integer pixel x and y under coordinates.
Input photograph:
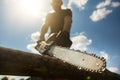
{"type": "Point", "coordinates": [33, 7]}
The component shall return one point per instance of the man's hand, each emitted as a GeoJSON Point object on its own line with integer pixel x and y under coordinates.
{"type": "Point", "coordinates": [40, 40]}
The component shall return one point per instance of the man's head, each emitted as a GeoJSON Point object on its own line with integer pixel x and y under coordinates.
{"type": "Point", "coordinates": [56, 4]}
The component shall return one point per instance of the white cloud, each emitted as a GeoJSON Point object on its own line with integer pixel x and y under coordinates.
{"type": "Point", "coordinates": [115, 4]}
{"type": "Point", "coordinates": [104, 4]}
{"type": "Point", "coordinates": [80, 42]}
{"type": "Point", "coordinates": [113, 69]}
{"type": "Point", "coordinates": [104, 54]}
{"type": "Point", "coordinates": [101, 11]}
{"type": "Point", "coordinates": [35, 36]}
{"type": "Point", "coordinates": [79, 3]}
{"type": "Point", "coordinates": [100, 14]}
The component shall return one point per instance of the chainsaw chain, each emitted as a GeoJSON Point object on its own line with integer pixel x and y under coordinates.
{"type": "Point", "coordinates": [94, 55]}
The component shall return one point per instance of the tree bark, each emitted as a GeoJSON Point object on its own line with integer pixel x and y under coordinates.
{"type": "Point", "coordinates": [16, 62]}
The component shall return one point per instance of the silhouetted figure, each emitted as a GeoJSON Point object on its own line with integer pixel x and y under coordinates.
{"type": "Point", "coordinates": [59, 23]}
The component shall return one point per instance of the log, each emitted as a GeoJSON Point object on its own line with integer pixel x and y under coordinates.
{"type": "Point", "coordinates": [20, 63]}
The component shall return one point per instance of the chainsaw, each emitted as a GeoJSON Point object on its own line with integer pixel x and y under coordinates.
{"type": "Point", "coordinates": [82, 60]}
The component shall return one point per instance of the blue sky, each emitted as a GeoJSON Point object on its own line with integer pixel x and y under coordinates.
{"type": "Point", "coordinates": [95, 27]}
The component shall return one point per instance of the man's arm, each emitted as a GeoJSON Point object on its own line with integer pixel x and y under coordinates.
{"type": "Point", "coordinates": [43, 32]}
{"type": "Point", "coordinates": [44, 29]}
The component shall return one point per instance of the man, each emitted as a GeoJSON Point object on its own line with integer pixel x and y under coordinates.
{"type": "Point", "coordinates": [60, 24]}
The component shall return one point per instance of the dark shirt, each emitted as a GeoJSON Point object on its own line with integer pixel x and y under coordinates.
{"type": "Point", "coordinates": [56, 20]}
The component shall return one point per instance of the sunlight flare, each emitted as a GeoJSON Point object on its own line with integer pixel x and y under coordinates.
{"type": "Point", "coordinates": [31, 7]}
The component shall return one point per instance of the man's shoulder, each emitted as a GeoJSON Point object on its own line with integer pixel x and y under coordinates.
{"type": "Point", "coordinates": [49, 14]}
{"type": "Point", "coordinates": [67, 12]}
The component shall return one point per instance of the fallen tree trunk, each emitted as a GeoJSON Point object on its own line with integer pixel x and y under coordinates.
{"type": "Point", "coordinates": [16, 62]}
